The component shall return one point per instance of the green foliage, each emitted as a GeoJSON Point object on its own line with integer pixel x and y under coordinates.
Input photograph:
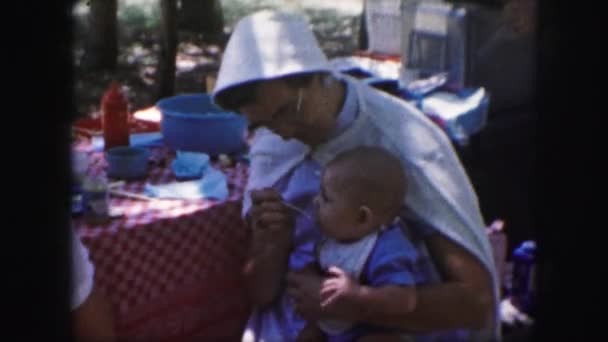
{"type": "Point", "coordinates": [139, 15]}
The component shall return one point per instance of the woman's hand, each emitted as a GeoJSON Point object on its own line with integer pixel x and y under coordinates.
{"type": "Point", "coordinates": [270, 220]}
{"type": "Point", "coordinates": [304, 287]}
{"type": "Point", "coordinates": [271, 223]}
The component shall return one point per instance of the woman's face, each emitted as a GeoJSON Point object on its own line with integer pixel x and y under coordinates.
{"type": "Point", "coordinates": [276, 107]}
{"type": "Point", "coordinates": [291, 112]}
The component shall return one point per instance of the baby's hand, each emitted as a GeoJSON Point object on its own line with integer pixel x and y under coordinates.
{"type": "Point", "coordinates": [338, 290]}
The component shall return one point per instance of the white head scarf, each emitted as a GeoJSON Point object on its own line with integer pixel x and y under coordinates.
{"type": "Point", "coordinates": [269, 44]}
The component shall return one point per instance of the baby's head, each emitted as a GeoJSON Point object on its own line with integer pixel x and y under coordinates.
{"type": "Point", "coordinates": [361, 189]}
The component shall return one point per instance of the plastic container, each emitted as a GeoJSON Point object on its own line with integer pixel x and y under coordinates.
{"type": "Point", "coordinates": [126, 162]}
{"type": "Point", "coordinates": [192, 122]}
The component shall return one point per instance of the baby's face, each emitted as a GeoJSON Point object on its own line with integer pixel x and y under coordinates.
{"type": "Point", "coordinates": [335, 213]}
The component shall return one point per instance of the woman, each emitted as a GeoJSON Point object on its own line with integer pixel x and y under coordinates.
{"type": "Point", "coordinates": [274, 73]}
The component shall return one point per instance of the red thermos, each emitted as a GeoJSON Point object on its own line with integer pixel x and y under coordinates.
{"type": "Point", "coordinates": [115, 117]}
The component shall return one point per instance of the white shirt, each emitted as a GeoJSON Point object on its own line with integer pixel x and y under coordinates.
{"type": "Point", "coordinates": [83, 272]}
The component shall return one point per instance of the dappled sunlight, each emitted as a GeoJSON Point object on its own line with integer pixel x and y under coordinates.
{"type": "Point", "coordinates": [139, 13]}
{"type": "Point", "coordinates": [146, 74]}
{"type": "Point", "coordinates": [335, 24]}
{"type": "Point", "coordinates": [184, 64]}
{"type": "Point", "coordinates": [337, 34]}
{"type": "Point", "coordinates": [191, 57]}
{"type": "Point", "coordinates": [142, 213]}
{"type": "Point", "coordinates": [150, 114]}
{"type": "Point", "coordinates": [212, 50]}
{"type": "Point", "coordinates": [191, 49]}
{"type": "Point", "coordinates": [162, 208]}
{"type": "Point", "coordinates": [342, 7]}
{"type": "Point", "coordinates": [235, 9]}
{"type": "Point", "coordinates": [136, 53]}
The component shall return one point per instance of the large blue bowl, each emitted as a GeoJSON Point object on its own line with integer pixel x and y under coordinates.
{"type": "Point", "coordinates": [192, 122]}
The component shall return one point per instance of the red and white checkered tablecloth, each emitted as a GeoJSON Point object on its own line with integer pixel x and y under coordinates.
{"type": "Point", "coordinates": [171, 268]}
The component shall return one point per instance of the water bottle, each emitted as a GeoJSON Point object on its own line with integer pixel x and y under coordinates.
{"type": "Point", "coordinates": [522, 290]}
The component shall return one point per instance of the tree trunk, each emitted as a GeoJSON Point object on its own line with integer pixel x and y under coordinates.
{"type": "Point", "coordinates": [102, 45]}
{"type": "Point", "coordinates": [202, 16]}
{"type": "Point", "coordinates": [362, 38]}
{"type": "Point", "coordinates": [168, 49]}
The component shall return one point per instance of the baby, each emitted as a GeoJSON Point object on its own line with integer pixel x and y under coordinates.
{"type": "Point", "coordinates": [365, 248]}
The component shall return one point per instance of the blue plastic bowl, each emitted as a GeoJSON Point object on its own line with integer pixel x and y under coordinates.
{"type": "Point", "coordinates": [192, 122]}
{"type": "Point", "coordinates": [126, 162]}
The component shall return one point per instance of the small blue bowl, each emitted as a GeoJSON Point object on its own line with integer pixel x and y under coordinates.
{"type": "Point", "coordinates": [192, 122]}
{"type": "Point", "coordinates": [126, 162]}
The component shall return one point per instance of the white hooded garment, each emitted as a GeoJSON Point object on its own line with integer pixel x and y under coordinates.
{"type": "Point", "coordinates": [267, 45]}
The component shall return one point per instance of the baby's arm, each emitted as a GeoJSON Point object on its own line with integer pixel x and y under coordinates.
{"type": "Point", "coordinates": [388, 286]}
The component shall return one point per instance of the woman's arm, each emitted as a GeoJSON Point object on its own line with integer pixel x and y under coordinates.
{"type": "Point", "coordinates": [463, 300]}
{"type": "Point", "coordinates": [266, 263]}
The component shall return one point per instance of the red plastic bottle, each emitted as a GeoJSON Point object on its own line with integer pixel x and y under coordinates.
{"type": "Point", "coordinates": [115, 117]}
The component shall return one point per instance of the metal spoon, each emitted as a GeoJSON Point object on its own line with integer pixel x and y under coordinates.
{"type": "Point", "coordinates": [298, 210]}
{"type": "Point", "coordinates": [295, 208]}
